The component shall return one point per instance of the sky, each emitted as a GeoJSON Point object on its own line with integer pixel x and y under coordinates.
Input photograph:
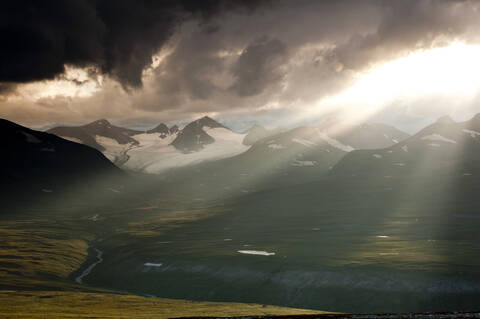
{"type": "Point", "coordinates": [278, 63]}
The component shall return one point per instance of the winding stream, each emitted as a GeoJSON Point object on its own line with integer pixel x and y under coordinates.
{"type": "Point", "coordinates": [90, 268]}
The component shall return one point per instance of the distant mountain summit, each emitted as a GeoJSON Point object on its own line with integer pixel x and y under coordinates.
{"type": "Point", "coordinates": [174, 129]}
{"type": "Point", "coordinates": [159, 148]}
{"type": "Point", "coordinates": [193, 137]}
{"type": "Point", "coordinates": [88, 134]}
{"type": "Point", "coordinates": [444, 145]}
{"type": "Point", "coordinates": [365, 135]}
{"type": "Point", "coordinates": [162, 129]}
{"type": "Point", "coordinates": [256, 133]}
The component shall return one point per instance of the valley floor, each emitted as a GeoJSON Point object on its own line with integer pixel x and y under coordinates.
{"type": "Point", "coordinates": [38, 257]}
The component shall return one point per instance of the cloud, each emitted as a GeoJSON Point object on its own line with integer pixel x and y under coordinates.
{"type": "Point", "coordinates": [258, 66]}
{"type": "Point", "coordinates": [7, 89]}
{"type": "Point", "coordinates": [408, 25]}
{"type": "Point", "coordinates": [119, 37]}
{"type": "Point", "coordinates": [212, 57]}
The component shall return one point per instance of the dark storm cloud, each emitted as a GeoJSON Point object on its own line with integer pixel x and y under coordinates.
{"type": "Point", "coordinates": [215, 57]}
{"type": "Point", "coordinates": [258, 66]}
{"type": "Point", "coordinates": [119, 37]}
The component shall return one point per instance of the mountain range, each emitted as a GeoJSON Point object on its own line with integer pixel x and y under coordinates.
{"type": "Point", "coordinates": [444, 145]}
{"type": "Point", "coordinates": [205, 139]}
{"type": "Point", "coordinates": [160, 148]}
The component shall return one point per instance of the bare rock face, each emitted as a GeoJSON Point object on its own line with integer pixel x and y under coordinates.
{"type": "Point", "coordinates": [193, 136]}
{"type": "Point", "coordinates": [86, 133]}
{"type": "Point", "coordinates": [162, 129]}
{"type": "Point", "coordinates": [173, 129]}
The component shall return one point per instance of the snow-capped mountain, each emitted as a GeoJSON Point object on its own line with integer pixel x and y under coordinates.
{"type": "Point", "coordinates": [442, 145]}
{"type": "Point", "coordinates": [193, 137]}
{"type": "Point", "coordinates": [160, 148]}
{"type": "Point", "coordinates": [162, 129]}
{"type": "Point", "coordinates": [256, 133]}
{"type": "Point", "coordinates": [201, 140]}
{"type": "Point", "coordinates": [299, 155]}
{"type": "Point", "coordinates": [95, 134]}
{"type": "Point", "coordinates": [320, 146]}
{"type": "Point", "coordinates": [363, 136]}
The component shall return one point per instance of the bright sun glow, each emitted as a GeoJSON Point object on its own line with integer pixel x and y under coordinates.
{"type": "Point", "coordinates": [75, 82]}
{"type": "Point", "coordinates": [451, 71]}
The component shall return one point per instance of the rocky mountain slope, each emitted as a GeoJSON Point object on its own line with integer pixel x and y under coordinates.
{"type": "Point", "coordinates": [444, 145]}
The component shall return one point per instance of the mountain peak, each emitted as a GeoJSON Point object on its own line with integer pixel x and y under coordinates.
{"type": "Point", "coordinates": [207, 121]}
{"type": "Point", "coordinates": [160, 128]}
{"type": "Point", "coordinates": [445, 120]}
{"type": "Point", "coordinates": [103, 122]}
{"type": "Point", "coordinates": [476, 117]}
{"type": "Point", "coordinates": [174, 129]}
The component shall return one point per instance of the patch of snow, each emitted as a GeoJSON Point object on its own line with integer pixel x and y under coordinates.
{"type": "Point", "coordinates": [227, 239]}
{"type": "Point", "coordinates": [113, 149]}
{"type": "Point", "coordinates": [399, 164]}
{"type": "Point", "coordinates": [94, 217]}
{"type": "Point", "coordinates": [255, 252]}
{"type": "Point", "coordinates": [388, 254]}
{"type": "Point", "coordinates": [377, 155]}
{"type": "Point", "coordinates": [334, 142]}
{"type": "Point", "coordinates": [303, 163]}
{"type": "Point", "coordinates": [303, 142]}
{"type": "Point", "coordinates": [394, 141]}
{"type": "Point", "coordinates": [30, 138]}
{"type": "Point", "coordinates": [276, 146]}
{"type": "Point", "coordinates": [386, 136]}
{"type": "Point", "coordinates": [113, 190]}
{"type": "Point", "coordinates": [390, 151]}
{"type": "Point", "coordinates": [382, 236]}
{"type": "Point", "coordinates": [155, 155]}
{"type": "Point", "coordinates": [471, 132]}
{"type": "Point", "coordinates": [438, 137]}
{"type": "Point", "coordinates": [467, 174]}
{"type": "Point", "coordinates": [434, 144]}
{"type": "Point", "coordinates": [405, 148]}
{"type": "Point", "coordinates": [153, 264]}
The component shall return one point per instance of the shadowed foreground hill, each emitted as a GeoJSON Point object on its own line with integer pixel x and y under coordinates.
{"type": "Point", "coordinates": [36, 164]}
{"type": "Point", "coordinates": [32, 155]}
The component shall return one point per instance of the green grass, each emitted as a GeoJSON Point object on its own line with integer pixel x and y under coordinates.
{"type": "Point", "coordinates": [40, 254]}
{"type": "Point", "coordinates": [38, 257]}
{"type": "Point", "coordinates": [54, 305]}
